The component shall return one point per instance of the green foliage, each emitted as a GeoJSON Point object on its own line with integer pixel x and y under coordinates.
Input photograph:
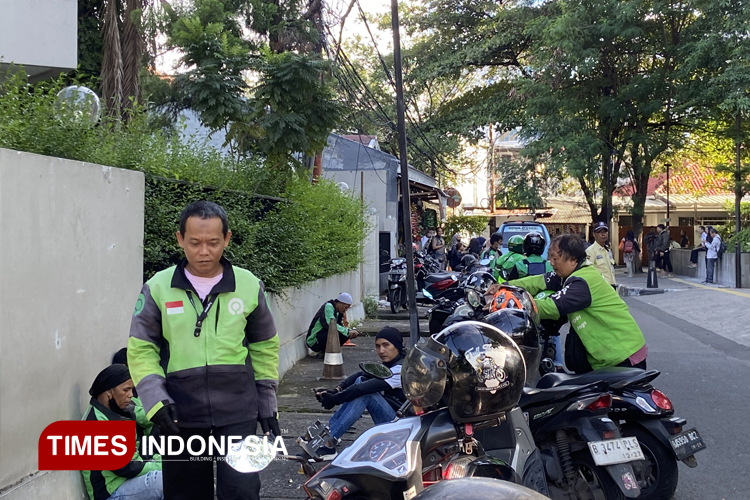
{"type": "Point", "coordinates": [464, 224]}
{"type": "Point", "coordinates": [317, 232]}
{"type": "Point", "coordinates": [727, 231]}
{"type": "Point", "coordinates": [371, 306]}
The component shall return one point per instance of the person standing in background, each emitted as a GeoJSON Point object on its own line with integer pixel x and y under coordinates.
{"type": "Point", "coordinates": [600, 255]}
{"type": "Point", "coordinates": [712, 255]}
{"type": "Point", "coordinates": [630, 249]}
{"type": "Point", "coordinates": [663, 248]}
{"type": "Point", "coordinates": [437, 248]}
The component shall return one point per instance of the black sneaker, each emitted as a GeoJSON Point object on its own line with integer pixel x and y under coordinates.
{"type": "Point", "coordinates": [325, 453]}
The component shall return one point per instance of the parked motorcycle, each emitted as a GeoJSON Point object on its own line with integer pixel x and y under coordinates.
{"type": "Point", "coordinates": [397, 284]}
{"type": "Point", "coordinates": [647, 414]}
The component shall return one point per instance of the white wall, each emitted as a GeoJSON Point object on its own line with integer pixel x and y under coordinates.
{"type": "Point", "coordinates": [70, 270]}
{"type": "Point", "coordinates": [41, 35]}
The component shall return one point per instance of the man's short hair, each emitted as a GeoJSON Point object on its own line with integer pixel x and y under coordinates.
{"type": "Point", "coordinates": [205, 210]}
{"type": "Point", "coordinates": [495, 238]}
{"type": "Point", "coordinates": [712, 230]}
{"type": "Point", "coordinates": [661, 226]}
{"type": "Point", "coordinates": [570, 245]}
{"type": "Point", "coordinates": [702, 227]}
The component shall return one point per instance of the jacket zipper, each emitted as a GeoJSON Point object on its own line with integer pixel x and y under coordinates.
{"type": "Point", "coordinates": [216, 326]}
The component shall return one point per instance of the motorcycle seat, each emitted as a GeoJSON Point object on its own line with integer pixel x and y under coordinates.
{"type": "Point", "coordinates": [611, 375]}
{"type": "Point", "coordinates": [534, 397]}
{"type": "Point", "coordinates": [435, 277]}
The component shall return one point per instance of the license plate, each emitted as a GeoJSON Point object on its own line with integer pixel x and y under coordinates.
{"type": "Point", "coordinates": [615, 451]}
{"type": "Point", "coordinates": [687, 443]}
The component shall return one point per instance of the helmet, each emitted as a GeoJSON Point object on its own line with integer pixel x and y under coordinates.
{"type": "Point", "coordinates": [467, 261]}
{"type": "Point", "coordinates": [473, 368]}
{"type": "Point", "coordinates": [476, 286]}
{"type": "Point", "coordinates": [513, 297]}
{"type": "Point", "coordinates": [534, 243]}
{"type": "Point", "coordinates": [519, 325]}
{"type": "Point", "coordinates": [481, 488]}
{"type": "Point", "coordinates": [515, 243]}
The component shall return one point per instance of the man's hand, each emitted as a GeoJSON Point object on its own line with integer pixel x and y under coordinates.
{"type": "Point", "coordinates": [328, 400]}
{"type": "Point", "coordinates": [166, 420]}
{"type": "Point", "coordinates": [270, 425]}
{"type": "Point", "coordinates": [353, 334]}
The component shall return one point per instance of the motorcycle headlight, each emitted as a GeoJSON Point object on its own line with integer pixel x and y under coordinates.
{"type": "Point", "coordinates": [473, 298]}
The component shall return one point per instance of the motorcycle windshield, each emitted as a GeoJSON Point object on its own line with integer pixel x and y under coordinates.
{"type": "Point", "coordinates": [424, 374]}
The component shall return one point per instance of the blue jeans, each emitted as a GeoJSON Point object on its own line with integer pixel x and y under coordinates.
{"type": "Point", "coordinates": [710, 263]}
{"type": "Point", "coordinates": [380, 411]}
{"type": "Point", "coordinates": [146, 487]}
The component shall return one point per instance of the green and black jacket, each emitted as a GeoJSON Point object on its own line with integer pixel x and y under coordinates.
{"type": "Point", "coordinates": [322, 319]}
{"type": "Point", "coordinates": [223, 373]}
{"type": "Point", "coordinates": [101, 484]}
{"type": "Point", "coordinates": [595, 310]}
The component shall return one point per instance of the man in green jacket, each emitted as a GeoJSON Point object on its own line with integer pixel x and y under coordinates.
{"type": "Point", "coordinates": [141, 478]}
{"type": "Point", "coordinates": [596, 312]}
{"type": "Point", "coordinates": [333, 310]}
{"type": "Point", "coordinates": [204, 354]}
{"type": "Point", "coordinates": [532, 264]}
{"type": "Point", "coordinates": [505, 266]}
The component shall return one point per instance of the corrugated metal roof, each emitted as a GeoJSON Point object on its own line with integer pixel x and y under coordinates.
{"type": "Point", "coordinates": [562, 216]}
{"type": "Point", "coordinates": [689, 201]}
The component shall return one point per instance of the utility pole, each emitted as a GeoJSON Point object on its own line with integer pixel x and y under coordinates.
{"type": "Point", "coordinates": [737, 203]}
{"type": "Point", "coordinates": [405, 201]}
{"type": "Point", "coordinates": [668, 221]}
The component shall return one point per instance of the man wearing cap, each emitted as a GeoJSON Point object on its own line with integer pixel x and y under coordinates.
{"type": "Point", "coordinates": [333, 310]}
{"type": "Point", "coordinates": [600, 255]}
{"type": "Point", "coordinates": [360, 392]}
{"type": "Point", "coordinates": [141, 478]}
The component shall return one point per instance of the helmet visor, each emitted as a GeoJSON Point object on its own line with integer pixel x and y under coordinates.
{"type": "Point", "coordinates": [424, 374]}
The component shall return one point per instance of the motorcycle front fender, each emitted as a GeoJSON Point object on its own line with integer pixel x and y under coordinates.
{"type": "Point", "coordinates": [624, 476]}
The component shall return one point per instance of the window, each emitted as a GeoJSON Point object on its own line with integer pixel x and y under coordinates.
{"type": "Point", "coordinates": [687, 221]}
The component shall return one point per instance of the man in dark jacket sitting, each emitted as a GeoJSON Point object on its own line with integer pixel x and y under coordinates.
{"type": "Point", "coordinates": [360, 392]}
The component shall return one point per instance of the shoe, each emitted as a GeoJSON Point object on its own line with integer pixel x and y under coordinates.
{"type": "Point", "coordinates": [324, 453]}
{"type": "Point", "coordinates": [670, 275]}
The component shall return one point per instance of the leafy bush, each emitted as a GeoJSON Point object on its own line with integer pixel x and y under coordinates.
{"type": "Point", "coordinates": [316, 232]}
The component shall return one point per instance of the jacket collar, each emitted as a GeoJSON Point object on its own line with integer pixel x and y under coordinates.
{"type": "Point", "coordinates": [226, 285]}
{"type": "Point", "coordinates": [106, 411]}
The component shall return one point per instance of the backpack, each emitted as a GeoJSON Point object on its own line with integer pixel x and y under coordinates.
{"type": "Point", "coordinates": [722, 248]}
{"type": "Point", "coordinates": [628, 247]}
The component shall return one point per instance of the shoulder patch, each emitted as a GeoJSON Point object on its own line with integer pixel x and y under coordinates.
{"type": "Point", "coordinates": [139, 304]}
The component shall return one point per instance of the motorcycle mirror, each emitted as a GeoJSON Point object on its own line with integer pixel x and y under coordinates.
{"type": "Point", "coordinates": [485, 262]}
{"type": "Point", "coordinates": [376, 370]}
{"type": "Point", "coordinates": [251, 455]}
{"type": "Point", "coordinates": [426, 293]}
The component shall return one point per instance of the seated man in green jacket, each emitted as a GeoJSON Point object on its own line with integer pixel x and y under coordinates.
{"type": "Point", "coordinates": [597, 314]}
{"type": "Point", "coordinates": [333, 310]}
{"type": "Point", "coordinates": [504, 267]}
{"type": "Point", "coordinates": [141, 478]}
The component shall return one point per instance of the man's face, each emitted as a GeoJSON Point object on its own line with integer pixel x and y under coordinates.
{"type": "Point", "coordinates": [659, 230]}
{"type": "Point", "coordinates": [341, 307]}
{"type": "Point", "coordinates": [204, 243]}
{"type": "Point", "coordinates": [122, 394]}
{"type": "Point", "coordinates": [497, 244]}
{"type": "Point", "coordinates": [386, 351]}
{"type": "Point", "coordinates": [562, 265]}
{"type": "Point", "coordinates": [601, 236]}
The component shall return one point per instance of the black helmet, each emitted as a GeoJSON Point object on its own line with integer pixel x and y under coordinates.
{"type": "Point", "coordinates": [476, 286]}
{"type": "Point", "coordinates": [524, 331]}
{"type": "Point", "coordinates": [467, 261]}
{"type": "Point", "coordinates": [534, 243]}
{"type": "Point", "coordinates": [481, 488]}
{"type": "Point", "coordinates": [473, 368]}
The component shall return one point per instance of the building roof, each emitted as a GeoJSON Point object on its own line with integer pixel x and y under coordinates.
{"type": "Point", "coordinates": [371, 141]}
{"type": "Point", "coordinates": [687, 179]}
{"type": "Point", "coordinates": [566, 216]}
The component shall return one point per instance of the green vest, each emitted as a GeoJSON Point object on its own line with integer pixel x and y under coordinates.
{"type": "Point", "coordinates": [606, 327]}
{"type": "Point", "coordinates": [504, 265]}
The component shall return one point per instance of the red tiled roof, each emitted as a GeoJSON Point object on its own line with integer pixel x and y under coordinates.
{"type": "Point", "coordinates": [690, 178]}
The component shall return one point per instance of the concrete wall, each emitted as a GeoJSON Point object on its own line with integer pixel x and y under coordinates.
{"type": "Point", "coordinates": [70, 271]}
{"type": "Point", "coordinates": [41, 35]}
{"type": "Point", "coordinates": [724, 271]}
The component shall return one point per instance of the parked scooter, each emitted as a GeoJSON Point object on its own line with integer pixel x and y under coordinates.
{"type": "Point", "coordinates": [397, 284]}
{"type": "Point", "coordinates": [647, 414]}
{"type": "Point", "coordinates": [458, 392]}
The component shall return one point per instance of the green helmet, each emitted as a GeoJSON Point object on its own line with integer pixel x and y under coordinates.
{"type": "Point", "coordinates": [515, 243]}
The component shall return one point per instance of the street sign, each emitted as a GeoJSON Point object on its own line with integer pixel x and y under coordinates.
{"type": "Point", "coordinates": [454, 197]}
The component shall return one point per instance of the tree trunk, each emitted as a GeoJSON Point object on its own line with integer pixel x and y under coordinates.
{"type": "Point", "coordinates": [132, 52]}
{"type": "Point", "coordinates": [641, 174]}
{"type": "Point", "coordinates": [111, 76]}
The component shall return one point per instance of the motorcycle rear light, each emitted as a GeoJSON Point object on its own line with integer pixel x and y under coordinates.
{"type": "Point", "coordinates": [676, 430]}
{"type": "Point", "coordinates": [609, 434]}
{"type": "Point", "coordinates": [334, 495]}
{"type": "Point", "coordinates": [603, 402]}
{"type": "Point", "coordinates": [661, 400]}
{"type": "Point", "coordinates": [442, 285]}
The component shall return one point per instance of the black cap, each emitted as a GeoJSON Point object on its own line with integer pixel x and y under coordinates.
{"type": "Point", "coordinates": [601, 226]}
{"type": "Point", "coordinates": [110, 377]}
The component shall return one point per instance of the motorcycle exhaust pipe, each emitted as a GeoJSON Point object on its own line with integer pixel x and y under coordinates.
{"type": "Point", "coordinates": [546, 366]}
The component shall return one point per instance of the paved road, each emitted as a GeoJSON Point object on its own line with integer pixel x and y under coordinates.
{"type": "Point", "coordinates": [705, 373]}
{"type": "Point", "coordinates": [706, 376]}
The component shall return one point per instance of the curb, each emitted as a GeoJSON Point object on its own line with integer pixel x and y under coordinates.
{"type": "Point", "coordinates": [633, 291]}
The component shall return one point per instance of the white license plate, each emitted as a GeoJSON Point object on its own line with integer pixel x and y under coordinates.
{"type": "Point", "coordinates": [615, 451]}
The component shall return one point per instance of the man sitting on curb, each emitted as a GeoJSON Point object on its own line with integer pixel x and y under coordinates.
{"type": "Point", "coordinates": [360, 392]}
{"type": "Point", "coordinates": [333, 310]}
{"type": "Point", "coordinates": [141, 478]}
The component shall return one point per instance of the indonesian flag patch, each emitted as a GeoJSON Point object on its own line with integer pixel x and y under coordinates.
{"type": "Point", "coordinates": [174, 307]}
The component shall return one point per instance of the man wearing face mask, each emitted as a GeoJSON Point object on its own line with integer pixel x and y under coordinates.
{"type": "Point", "coordinates": [141, 479]}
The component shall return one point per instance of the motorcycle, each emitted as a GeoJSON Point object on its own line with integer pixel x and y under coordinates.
{"type": "Point", "coordinates": [397, 284]}
{"type": "Point", "coordinates": [401, 458]}
{"type": "Point", "coordinates": [645, 413]}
